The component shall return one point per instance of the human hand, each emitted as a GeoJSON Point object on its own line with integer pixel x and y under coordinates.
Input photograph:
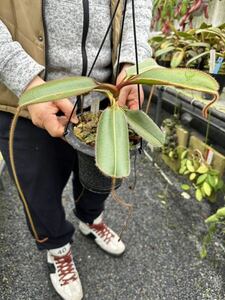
{"type": "Point", "coordinates": [129, 94]}
{"type": "Point", "coordinates": [44, 115]}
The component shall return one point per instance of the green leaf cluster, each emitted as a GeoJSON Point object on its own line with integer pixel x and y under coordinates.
{"type": "Point", "coordinates": [216, 223]}
{"type": "Point", "coordinates": [171, 142]}
{"type": "Point", "coordinates": [190, 48]}
{"type": "Point", "coordinates": [112, 143]}
{"type": "Point", "coordinates": [205, 180]}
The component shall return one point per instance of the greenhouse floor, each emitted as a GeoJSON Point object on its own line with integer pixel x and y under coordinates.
{"type": "Point", "coordinates": [163, 241]}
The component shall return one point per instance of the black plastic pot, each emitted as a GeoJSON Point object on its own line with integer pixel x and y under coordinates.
{"type": "Point", "coordinates": [90, 176]}
{"type": "Point", "coordinates": [220, 78]}
{"type": "Point", "coordinates": [164, 63]}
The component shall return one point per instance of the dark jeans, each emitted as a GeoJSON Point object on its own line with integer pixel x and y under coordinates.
{"type": "Point", "coordinates": [44, 165]}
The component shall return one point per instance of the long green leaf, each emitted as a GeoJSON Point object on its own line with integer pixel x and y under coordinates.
{"type": "Point", "coordinates": [58, 89]}
{"type": "Point", "coordinates": [186, 35]}
{"type": "Point", "coordinates": [112, 144]}
{"type": "Point", "coordinates": [199, 44]}
{"type": "Point", "coordinates": [212, 31]}
{"type": "Point", "coordinates": [197, 57]}
{"type": "Point", "coordinates": [145, 127]}
{"type": "Point", "coordinates": [157, 38]}
{"type": "Point", "coordinates": [181, 78]}
{"type": "Point", "coordinates": [177, 58]}
{"type": "Point", "coordinates": [164, 51]}
{"type": "Point", "coordinates": [144, 66]}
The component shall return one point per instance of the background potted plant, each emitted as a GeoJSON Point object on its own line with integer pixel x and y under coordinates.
{"type": "Point", "coordinates": [206, 180]}
{"type": "Point", "coordinates": [192, 49]}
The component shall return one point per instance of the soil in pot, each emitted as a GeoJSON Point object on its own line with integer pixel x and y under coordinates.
{"type": "Point", "coordinates": [86, 129]}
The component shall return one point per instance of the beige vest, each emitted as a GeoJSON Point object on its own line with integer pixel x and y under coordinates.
{"type": "Point", "coordinates": [18, 15]}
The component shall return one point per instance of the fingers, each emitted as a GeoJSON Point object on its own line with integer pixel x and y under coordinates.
{"type": "Point", "coordinates": [133, 105]}
{"type": "Point", "coordinates": [129, 96]}
{"type": "Point", "coordinates": [66, 107]}
{"type": "Point", "coordinates": [121, 77]}
{"type": "Point", "coordinates": [123, 96]}
{"type": "Point", "coordinates": [56, 125]}
{"type": "Point", "coordinates": [44, 115]}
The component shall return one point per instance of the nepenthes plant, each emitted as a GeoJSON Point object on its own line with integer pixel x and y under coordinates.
{"type": "Point", "coordinates": [112, 140]}
{"type": "Point", "coordinates": [112, 143]}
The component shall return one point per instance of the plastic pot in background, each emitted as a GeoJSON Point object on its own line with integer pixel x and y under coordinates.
{"type": "Point", "coordinates": [220, 78]}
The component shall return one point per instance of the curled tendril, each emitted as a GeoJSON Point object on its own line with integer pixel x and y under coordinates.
{"type": "Point", "coordinates": [206, 108]}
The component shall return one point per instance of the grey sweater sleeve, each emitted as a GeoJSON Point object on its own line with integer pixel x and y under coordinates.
{"type": "Point", "coordinates": [17, 68]}
{"type": "Point", "coordinates": [143, 13]}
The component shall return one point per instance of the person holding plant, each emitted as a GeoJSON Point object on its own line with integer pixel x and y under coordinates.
{"type": "Point", "coordinates": [42, 41]}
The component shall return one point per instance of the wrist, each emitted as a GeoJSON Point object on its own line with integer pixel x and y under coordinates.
{"type": "Point", "coordinates": [124, 66]}
{"type": "Point", "coordinates": [35, 82]}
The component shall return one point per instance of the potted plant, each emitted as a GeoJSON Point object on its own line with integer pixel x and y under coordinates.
{"type": "Point", "coordinates": [112, 143]}
{"type": "Point", "coordinates": [112, 140]}
{"type": "Point", "coordinates": [191, 48]}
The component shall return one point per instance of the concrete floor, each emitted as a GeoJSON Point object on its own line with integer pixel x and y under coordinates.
{"type": "Point", "coordinates": [162, 258]}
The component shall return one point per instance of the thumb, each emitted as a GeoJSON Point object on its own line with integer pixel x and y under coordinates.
{"type": "Point", "coordinates": [66, 107]}
{"type": "Point", "coordinates": [54, 126]}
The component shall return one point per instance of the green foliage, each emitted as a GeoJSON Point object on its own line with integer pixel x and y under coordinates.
{"type": "Point", "coordinates": [216, 223]}
{"type": "Point", "coordinates": [181, 78]}
{"type": "Point", "coordinates": [112, 146]}
{"type": "Point", "coordinates": [58, 89]}
{"type": "Point", "coordinates": [177, 58]}
{"type": "Point", "coordinates": [190, 48]}
{"type": "Point", "coordinates": [185, 187]}
{"type": "Point", "coordinates": [170, 144]}
{"type": "Point", "coordinates": [144, 66]}
{"type": "Point", "coordinates": [205, 180]}
{"type": "Point", "coordinates": [145, 127]}
{"type": "Point", "coordinates": [207, 240]}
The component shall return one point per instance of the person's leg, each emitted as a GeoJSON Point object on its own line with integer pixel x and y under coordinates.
{"type": "Point", "coordinates": [89, 207]}
{"type": "Point", "coordinates": [43, 167]}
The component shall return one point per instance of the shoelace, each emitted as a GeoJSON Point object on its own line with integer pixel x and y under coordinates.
{"type": "Point", "coordinates": [103, 231]}
{"type": "Point", "coordinates": [65, 267]}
